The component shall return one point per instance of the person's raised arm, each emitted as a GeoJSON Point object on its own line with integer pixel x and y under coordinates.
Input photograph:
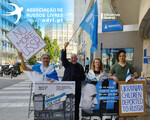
{"type": "Point", "coordinates": [63, 55]}
{"type": "Point", "coordinates": [23, 65]}
{"type": "Point", "coordinates": [65, 46]}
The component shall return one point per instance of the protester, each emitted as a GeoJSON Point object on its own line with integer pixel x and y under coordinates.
{"type": "Point", "coordinates": [43, 72]}
{"type": "Point", "coordinates": [73, 72]}
{"type": "Point", "coordinates": [88, 99]}
{"type": "Point", "coordinates": [97, 72]}
{"type": "Point", "coordinates": [87, 65]}
{"type": "Point", "coordinates": [120, 69]}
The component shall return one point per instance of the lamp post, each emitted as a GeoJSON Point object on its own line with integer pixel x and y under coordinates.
{"type": "Point", "coordinates": [4, 43]}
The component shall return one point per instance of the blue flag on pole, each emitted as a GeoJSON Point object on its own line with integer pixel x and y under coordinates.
{"type": "Point", "coordinates": [90, 25]}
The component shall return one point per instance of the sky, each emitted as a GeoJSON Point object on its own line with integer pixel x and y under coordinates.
{"type": "Point", "coordinates": [64, 9]}
{"type": "Point", "coordinates": [67, 5]}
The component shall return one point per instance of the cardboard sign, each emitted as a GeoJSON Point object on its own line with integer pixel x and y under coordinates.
{"type": "Point", "coordinates": [54, 101]}
{"type": "Point", "coordinates": [26, 40]}
{"type": "Point", "coordinates": [132, 98]}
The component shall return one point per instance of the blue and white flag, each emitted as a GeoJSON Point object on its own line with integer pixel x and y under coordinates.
{"type": "Point", "coordinates": [128, 76]}
{"type": "Point", "coordinates": [90, 25]}
{"type": "Point", "coordinates": [39, 74]}
{"type": "Point", "coordinates": [48, 74]}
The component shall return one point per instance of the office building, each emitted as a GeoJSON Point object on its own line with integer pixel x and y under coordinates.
{"type": "Point", "coordinates": [7, 50]}
{"type": "Point", "coordinates": [63, 33]}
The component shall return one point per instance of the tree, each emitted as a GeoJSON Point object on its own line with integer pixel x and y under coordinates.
{"type": "Point", "coordinates": [49, 48]}
{"type": "Point", "coordinates": [56, 50]}
{"type": "Point", "coordinates": [52, 48]}
{"type": "Point", "coordinates": [32, 61]}
{"type": "Point", "coordinates": [40, 33]}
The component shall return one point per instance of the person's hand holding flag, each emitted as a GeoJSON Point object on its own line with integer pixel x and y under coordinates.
{"type": "Point", "coordinates": [129, 78]}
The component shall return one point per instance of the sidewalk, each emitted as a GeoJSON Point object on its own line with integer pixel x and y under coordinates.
{"type": "Point", "coordinates": [146, 117]}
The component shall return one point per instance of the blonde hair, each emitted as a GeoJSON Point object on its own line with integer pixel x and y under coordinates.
{"type": "Point", "coordinates": [101, 67]}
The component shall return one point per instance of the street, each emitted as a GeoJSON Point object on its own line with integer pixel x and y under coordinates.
{"type": "Point", "coordinates": [14, 98]}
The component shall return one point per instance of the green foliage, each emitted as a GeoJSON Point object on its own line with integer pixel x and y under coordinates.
{"type": "Point", "coordinates": [52, 49]}
{"type": "Point", "coordinates": [40, 33]}
{"type": "Point", "coordinates": [56, 50]}
{"type": "Point", "coordinates": [49, 48]}
{"type": "Point", "coordinates": [32, 61]}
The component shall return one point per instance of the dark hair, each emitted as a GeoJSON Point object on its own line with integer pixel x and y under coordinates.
{"type": "Point", "coordinates": [45, 55]}
{"type": "Point", "coordinates": [118, 53]}
{"type": "Point", "coordinates": [87, 58]}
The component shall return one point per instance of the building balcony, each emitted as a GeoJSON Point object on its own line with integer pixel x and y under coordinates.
{"type": "Point", "coordinates": [8, 50]}
{"type": "Point", "coordinates": [9, 19]}
{"type": "Point", "coordinates": [3, 37]}
{"type": "Point", "coordinates": [4, 27]}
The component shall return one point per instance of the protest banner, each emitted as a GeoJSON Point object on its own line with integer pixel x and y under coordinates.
{"type": "Point", "coordinates": [26, 39]}
{"type": "Point", "coordinates": [132, 98]}
{"type": "Point", "coordinates": [54, 101]}
{"type": "Point", "coordinates": [100, 100]}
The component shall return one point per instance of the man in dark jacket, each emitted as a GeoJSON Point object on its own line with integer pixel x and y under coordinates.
{"type": "Point", "coordinates": [73, 72]}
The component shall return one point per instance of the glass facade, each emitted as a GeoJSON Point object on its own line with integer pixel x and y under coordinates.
{"type": "Point", "coordinates": [8, 52]}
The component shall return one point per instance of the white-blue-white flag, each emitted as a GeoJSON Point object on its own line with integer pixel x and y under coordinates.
{"type": "Point", "coordinates": [90, 25]}
{"type": "Point", "coordinates": [128, 76]}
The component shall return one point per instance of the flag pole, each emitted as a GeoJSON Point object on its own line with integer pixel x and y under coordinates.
{"type": "Point", "coordinates": [74, 33]}
{"type": "Point", "coordinates": [77, 29]}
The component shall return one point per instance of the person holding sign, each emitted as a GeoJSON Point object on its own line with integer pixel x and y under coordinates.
{"type": "Point", "coordinates": [97, 71]}
{"type": "Point", "coordinates": [73, 72]}
{"type": "Point", "coordinates": [121, 68]}
{"type": "Point", "coordinates": [43, 72]}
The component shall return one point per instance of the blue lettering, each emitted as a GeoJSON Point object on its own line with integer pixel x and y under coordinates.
{"type": "Point", "coordinates": [129, 88]}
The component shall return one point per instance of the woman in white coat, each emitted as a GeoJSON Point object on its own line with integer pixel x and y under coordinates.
{"type": "Point", "coordinates": [97, 72]}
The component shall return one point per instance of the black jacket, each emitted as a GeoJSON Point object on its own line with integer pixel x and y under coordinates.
{"type": "Point", "coordinates": [70, 69]}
